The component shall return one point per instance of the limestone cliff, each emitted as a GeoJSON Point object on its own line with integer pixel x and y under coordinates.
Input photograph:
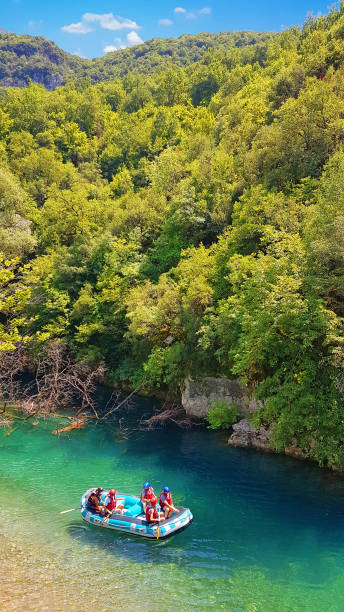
{"type": "Point", "coordinates": [198, 395]}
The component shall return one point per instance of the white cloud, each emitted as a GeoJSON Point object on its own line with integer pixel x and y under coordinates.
{"type": "Point", "coordinates": [107, 21]}
{"type": "Point", "coordinates": [134, 39]}
{"type": "Point", "coordinates": [76, 28]}
{"type": "Point", "coordinates": [120, 44]}
{"type": "Point", "coordinates": [192, 14]}
{"type": "Point", "coordinates": [165, 22]}
{"type": "Point", "coordinates": [109, 48]}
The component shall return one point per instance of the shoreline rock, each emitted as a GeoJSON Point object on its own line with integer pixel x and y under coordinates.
{"type": "Point", "coordinates": [244, 435]}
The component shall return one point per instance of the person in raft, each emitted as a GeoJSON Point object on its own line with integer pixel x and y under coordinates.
{"type": "Point", "coordinates": [153, 515]}
{"type": "Point", "coordinates": [95, 504]}
{"type": "Point", "coordinates": [146, 495]}
{"type": "Point", "coordinates": [166, 503]}
{"type": "Point", "coordinates": [112, 503]}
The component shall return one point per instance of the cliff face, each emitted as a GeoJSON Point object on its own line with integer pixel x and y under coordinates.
{"type": "Point", "coordinates": [33, 58]}
{"type": "Point", "coordinates": [198, 396]}
{"type": "Point", "coordinates": [42, 77]}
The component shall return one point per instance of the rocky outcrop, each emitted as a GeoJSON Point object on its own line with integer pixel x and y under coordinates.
{"type": "Point", "coordinates": [244, 434]}
{"type": "Point", "coordinates": [294, 450]}
{"type": "Point", "coordinates": [198, 396]}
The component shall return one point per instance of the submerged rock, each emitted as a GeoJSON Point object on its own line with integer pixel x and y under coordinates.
{"type": "Point", "coordinates": [244, 434]}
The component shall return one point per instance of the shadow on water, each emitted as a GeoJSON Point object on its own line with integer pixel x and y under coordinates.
{"type": "Point", "coordinates": [133, 548]}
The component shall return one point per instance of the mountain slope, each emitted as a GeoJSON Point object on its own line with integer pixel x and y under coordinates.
{"type": "Point", "coordinates": [158, 54]}
{"type": "Point", "coordinates": [24, 58]}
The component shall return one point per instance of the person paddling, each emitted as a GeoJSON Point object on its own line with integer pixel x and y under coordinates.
{"type": "Point", "coordinates": [146, 494]}
{"type": "Point", "coordinates": [152, 514]}
{"type": "Point", "coordinates": [166, 502]}
{"type": "Point", "coordinates": [94, 503]}
{"type": "Point", "coordinates": [112, 502]}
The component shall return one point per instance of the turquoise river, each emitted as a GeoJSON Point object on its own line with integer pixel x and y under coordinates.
{"type": "Point", "coordinates": [268, 532]}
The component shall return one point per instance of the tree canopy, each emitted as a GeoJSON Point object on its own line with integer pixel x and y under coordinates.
{"type": "Point", "coordinates": [175, 220]}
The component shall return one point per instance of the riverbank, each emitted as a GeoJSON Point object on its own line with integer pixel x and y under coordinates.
{"type": "Point", "coordinates": [159, 410]}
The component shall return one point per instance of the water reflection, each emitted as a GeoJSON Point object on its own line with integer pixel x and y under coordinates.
{"type": "Point", "coordinates": [130, 547]}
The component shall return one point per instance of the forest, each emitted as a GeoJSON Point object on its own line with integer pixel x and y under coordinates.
{"type": "Point", "coordinates": [25, 58]}
{"type": "Point", "coordinates": [188, 221]}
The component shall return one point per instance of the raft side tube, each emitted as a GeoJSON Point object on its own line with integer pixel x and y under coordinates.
{"type": "Point", "coordinates": [137, 525]}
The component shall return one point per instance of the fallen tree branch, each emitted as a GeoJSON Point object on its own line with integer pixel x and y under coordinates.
{"type": "Point", "coordinates": [171, 413]}
{"type": "Point", "coordinates": [116, 407]}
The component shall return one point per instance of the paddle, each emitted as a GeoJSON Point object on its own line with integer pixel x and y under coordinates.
{"type": "Point", "coordinates": [107, 517]}
{"type": "Point", "coordinates": [71, 510]}
{"type": "Point", "coordinates": [158, 533]}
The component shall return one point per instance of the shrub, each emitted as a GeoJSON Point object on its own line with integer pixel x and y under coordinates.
{"type": "Point", "coordinates": [222, 415]}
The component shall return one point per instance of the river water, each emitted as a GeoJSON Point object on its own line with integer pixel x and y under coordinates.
{"type": "Point", "coordinates": [268, 531]}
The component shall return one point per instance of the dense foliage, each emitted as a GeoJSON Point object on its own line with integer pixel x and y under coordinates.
{"type": "Point", "coordinates": [163, 53]}
{"type": "Point", "coordinates": [190, 222]}
{"type": "Point", "coordinates": [25, 58]}
{"type": "Point", "coordinates": [222, 415]}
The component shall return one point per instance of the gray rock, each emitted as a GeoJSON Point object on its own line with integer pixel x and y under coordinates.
{"type": "Point", "coordinates": [244, 434]}
{"type": "Point", "coordinates": [198, 396]}
{"type": "Point", "coordinates": [169, 340]}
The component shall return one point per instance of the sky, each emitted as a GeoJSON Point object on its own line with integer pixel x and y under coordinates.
{"type": "Point", "coordinates": [91, 28]}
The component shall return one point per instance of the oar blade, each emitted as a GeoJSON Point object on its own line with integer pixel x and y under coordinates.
{"type": "Point", "coordinates": [71, 510]}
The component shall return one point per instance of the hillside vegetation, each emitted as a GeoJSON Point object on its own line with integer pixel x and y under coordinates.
{"type": "Point", "coordinates": [189, 222]}
{"type": "Point", "coordinates": [160, 53]}
{"type": "Point", "coordinates": [25, 58]}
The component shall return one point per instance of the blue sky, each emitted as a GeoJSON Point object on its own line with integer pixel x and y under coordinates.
{"type": "Point", "coordinates": [90, 28]}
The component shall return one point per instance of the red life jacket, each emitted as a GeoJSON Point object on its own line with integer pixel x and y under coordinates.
{"type": "Point", "coordinates": [148, 493]}
{"type": "Point", "coordinates": [112, 503]}
{"type": "Point", "coordinates": [168, 498]}
{"type": "Point", "coordinates": [155, 514]}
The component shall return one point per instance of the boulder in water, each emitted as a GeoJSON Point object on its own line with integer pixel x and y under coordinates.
{"type": "Point", "coordinates": [244, 434]}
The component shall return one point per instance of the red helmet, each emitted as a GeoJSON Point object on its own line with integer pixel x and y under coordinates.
{"type": "Point", "coordinates": [153, 500]}
{"type": "Point", "coordinates": [112, 492]}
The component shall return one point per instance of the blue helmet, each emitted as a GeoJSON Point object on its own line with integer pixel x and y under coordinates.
{"type": "Point", "coordinates": [146, 485]}
{"type": "Point", "coordinates": [166, 489]}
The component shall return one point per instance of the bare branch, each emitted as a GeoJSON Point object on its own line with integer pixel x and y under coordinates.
{"type": "Point", "coordinates": [59, 381]}
{"type": "Point", "coordinates": [171, 413]}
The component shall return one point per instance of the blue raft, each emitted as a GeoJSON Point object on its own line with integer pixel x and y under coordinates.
{"type": "Point", "coordinates": [134, 520]}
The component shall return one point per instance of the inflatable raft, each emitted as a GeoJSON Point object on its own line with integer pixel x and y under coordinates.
{"type": "Point", "coordinates": [134, 519]}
